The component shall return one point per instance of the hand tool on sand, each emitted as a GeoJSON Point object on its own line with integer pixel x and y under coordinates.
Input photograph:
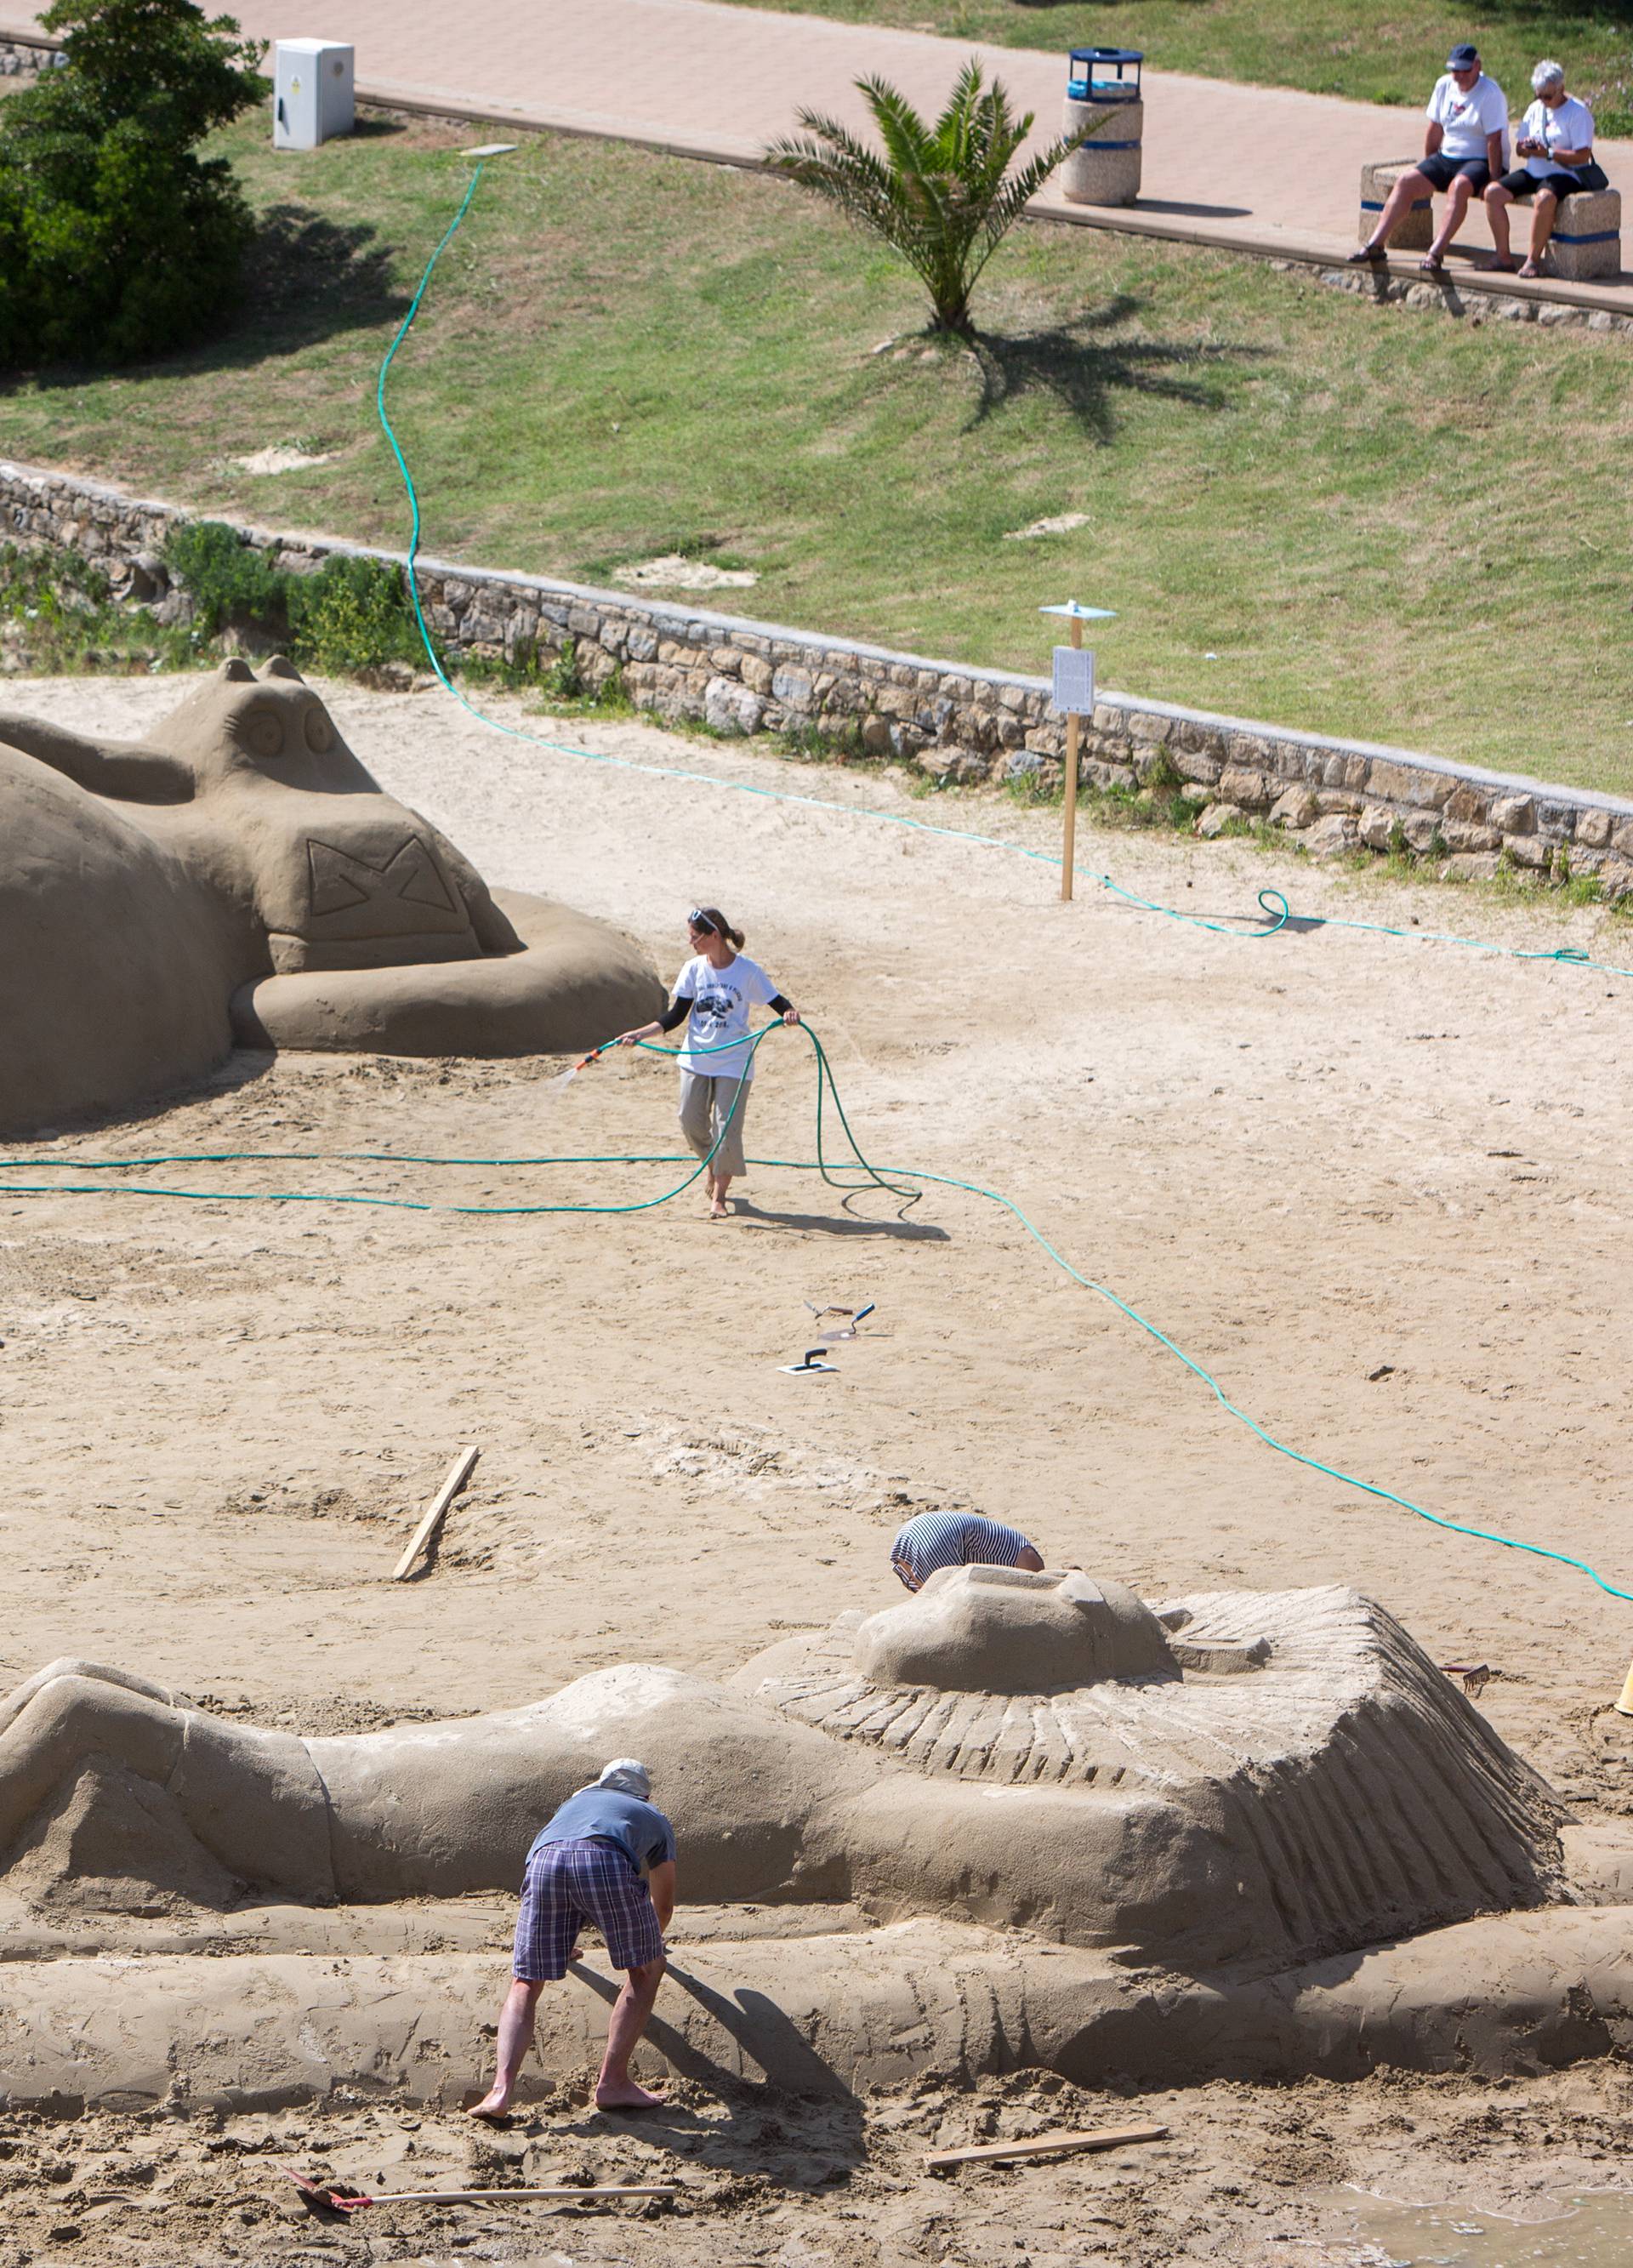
{"type": "Point", "coordinates": [809, 1363]}
{"type": "Point", "coordinates": [1043, 2145]}
{"type": "Point", "coordinates": [341, 2197]}
{"type": "Point", "coordinates": [1475, 1676]}
{"type": "Point", "coordinates": [459, 1473]}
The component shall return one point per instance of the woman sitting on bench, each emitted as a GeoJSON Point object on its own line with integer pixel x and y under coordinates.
{"type": "Point", "coordinates": [1556, 142]}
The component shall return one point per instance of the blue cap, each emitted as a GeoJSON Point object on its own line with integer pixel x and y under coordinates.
{"type": "Point", "coordinates": [1464, 57]}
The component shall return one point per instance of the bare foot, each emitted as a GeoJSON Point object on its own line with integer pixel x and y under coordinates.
{"type": "Point", "coordinates": [719, 1210]}
{"type": "Point", "coordinates": [492, 2107]}
{"type": "Point", "coordinates": [624, 2094]}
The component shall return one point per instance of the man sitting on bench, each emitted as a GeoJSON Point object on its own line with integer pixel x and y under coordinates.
{"type": "Point", "coordinates": [1557, 144]}
{"type": "Point", "coordinates": [1468, 118]}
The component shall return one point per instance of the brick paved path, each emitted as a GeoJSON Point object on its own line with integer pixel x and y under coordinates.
{"type": "Point", "coordinates": [1265, 167]}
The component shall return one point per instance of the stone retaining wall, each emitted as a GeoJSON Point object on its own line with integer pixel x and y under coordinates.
{"type": "Point", "coordinates": [1481, 304]}
{"type": "Point", "coordinates": [21, 56]}
{"type": "Point", "coordinates": [951, 722]}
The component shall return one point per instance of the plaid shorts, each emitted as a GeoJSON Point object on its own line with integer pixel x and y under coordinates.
{"type": "Point", "coordinates": [568, 1884]}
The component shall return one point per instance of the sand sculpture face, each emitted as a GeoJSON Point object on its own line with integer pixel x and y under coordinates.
{"type": "Point", "coordinates": [239, 874]}
{"type": "Point", "coordinates": [340, 874]}
{"type": "Point", "coordinates": [1002, 1630]}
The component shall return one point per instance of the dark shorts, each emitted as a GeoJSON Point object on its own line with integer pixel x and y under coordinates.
{"type": "Point", "coordinates": [568, 1884]}
{"type": "Point", "coordinates": [1563, 183]}
{"type": "Point", "coordinates": [1442, 171]}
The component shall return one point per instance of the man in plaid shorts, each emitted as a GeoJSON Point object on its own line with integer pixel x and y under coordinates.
{"type": "Point", "coordinates": [606, 1857]}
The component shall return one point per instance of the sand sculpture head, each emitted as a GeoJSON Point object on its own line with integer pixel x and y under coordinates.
{"type": "Point", "coordinates": [1001, 1630]}
{"type": "Point", "coordinates": [237, 728]}
{"type": "Point", "coordinates": [239, 874]}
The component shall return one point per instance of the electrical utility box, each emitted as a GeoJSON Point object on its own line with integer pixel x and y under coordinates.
{"type": "Point", "coordinates": [311, 93]}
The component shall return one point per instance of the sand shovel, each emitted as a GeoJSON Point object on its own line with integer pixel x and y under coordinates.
{"type": "Point", "coordinates": [344, 2197]}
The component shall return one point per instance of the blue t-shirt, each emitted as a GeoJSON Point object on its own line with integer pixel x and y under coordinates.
{"type": "Point", "coordinates": [639, 1830]}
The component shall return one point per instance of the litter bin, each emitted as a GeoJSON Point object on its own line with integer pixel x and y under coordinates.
{"type": "Point", "coordinates": [1103, 102]}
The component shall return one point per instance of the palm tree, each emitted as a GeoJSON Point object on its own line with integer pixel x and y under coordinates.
{"type": "Point", "coordinates": [941, 196]}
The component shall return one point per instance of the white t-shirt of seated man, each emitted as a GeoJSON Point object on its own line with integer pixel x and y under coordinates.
{"type": "Point", "coordinates": [1465, 120]}
{"type": "Point", "coordinates": [1569, 126]}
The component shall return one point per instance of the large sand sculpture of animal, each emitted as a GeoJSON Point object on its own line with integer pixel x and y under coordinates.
{"type": "Point", "coordinates": [1015, 1819]}
{"type": "Point", "coordinates": [238, 875]}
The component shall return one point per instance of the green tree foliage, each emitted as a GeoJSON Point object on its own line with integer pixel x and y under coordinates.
{"type": "Point", "coordinates": [353, 613]}
{"type": "Point", "coordinates": [942, 196]}
{"type": "Point", "coordinates": [117, 241]}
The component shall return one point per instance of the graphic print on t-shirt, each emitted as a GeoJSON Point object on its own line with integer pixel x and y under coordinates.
{"type": "Point", "coordinates": [721, 999]}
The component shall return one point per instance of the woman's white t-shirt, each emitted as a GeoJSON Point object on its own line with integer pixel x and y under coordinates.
{"type": "Point", "coordinates": [721, 999]}
{"type": "Point", "coordinates": [1467, 119]}
{"type": "Point", "coordinates": [1568, 126]}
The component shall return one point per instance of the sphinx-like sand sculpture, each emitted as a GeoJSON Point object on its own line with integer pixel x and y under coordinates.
{"type": "Point", "coordinates": [238, 875]}
{"type": "Point", "coordinates": [1031, 1788]}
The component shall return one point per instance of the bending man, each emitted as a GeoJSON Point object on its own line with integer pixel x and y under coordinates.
{"type": "Point", "coordinates": [606, 1857]}
{"type": "Point", "coordinates": [933, 1540]}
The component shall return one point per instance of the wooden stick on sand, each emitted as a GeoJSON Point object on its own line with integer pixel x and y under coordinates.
{"type": "Point", "coordinates": [1043, 2145]}
{"type": "Point", "coordinates": [459, 1473]}
{"type": "Point", "coordinates": [342, 2197]}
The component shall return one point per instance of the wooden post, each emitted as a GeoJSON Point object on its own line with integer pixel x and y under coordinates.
{"type": "Point", "coordinates": [1069, 842]}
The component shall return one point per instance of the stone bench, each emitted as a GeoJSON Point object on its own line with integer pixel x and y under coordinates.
{"type": "Point", "coordinates": [1587, 241]}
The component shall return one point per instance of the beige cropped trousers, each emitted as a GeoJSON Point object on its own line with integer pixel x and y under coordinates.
{"type": "Point", "coordinates": [705, 1105]}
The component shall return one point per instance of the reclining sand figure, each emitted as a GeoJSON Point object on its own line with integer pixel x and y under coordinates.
{"type": "Point", "coordinates": [239, 875]}
{"type": "Point", "coordinates": [1253, 1781]}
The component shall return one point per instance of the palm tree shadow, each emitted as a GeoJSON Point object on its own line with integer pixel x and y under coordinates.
{"type": "Point", "coordinates": [1085, 369]}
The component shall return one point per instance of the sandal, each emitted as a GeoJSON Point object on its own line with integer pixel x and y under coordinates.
{"type": "Point", "coordinates": [1433, 265]}
{"type": "Point", "coordinates": [1366, 253]}
{"type": "Point", "coordinates": [1502, 267]}
{"type": "Point", "coordinates": [1530, 270]}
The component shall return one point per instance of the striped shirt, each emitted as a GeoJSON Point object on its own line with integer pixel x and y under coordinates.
{"type": "Point", "coordinates": [930, 1540]}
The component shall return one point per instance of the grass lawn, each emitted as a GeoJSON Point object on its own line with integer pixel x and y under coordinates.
{"type": "Point", "coordinates": [1329, 46]}
{"type": "Point", "coordinates": [1304, 509]}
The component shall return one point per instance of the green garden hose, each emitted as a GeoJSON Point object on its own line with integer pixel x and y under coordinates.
{"type": "Point", "coordinates": [897, 1180]}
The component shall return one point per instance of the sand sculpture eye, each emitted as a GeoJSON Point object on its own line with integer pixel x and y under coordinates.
{"type": "Point", "coordinates": [263, 733]}
{"type": "Point", "coordinates": [319, 733]}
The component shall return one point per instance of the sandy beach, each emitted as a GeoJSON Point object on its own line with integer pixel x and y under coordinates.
{"type": "Point", "coordinates": [1376, 1186]}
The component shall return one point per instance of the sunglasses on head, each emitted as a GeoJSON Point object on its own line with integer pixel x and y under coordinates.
{"type": "Point", "coordinates": [699, 921]}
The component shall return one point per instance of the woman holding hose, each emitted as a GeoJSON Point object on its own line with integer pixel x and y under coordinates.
{"type": "Point", "coordinates": [715, 989]}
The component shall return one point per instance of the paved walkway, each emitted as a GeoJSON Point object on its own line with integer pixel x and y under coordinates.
{"type": "Point", "coordinates": [1257, 168]}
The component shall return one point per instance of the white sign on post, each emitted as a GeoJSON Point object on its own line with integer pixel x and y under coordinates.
{"type": "Point", "coordinates": [1074, 680]}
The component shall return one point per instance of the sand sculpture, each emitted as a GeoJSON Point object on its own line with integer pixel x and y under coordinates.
{"type": "Point", "coordinates": [1029, 1788]}
{"type": "Point", "coordinates": [238, 875]}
